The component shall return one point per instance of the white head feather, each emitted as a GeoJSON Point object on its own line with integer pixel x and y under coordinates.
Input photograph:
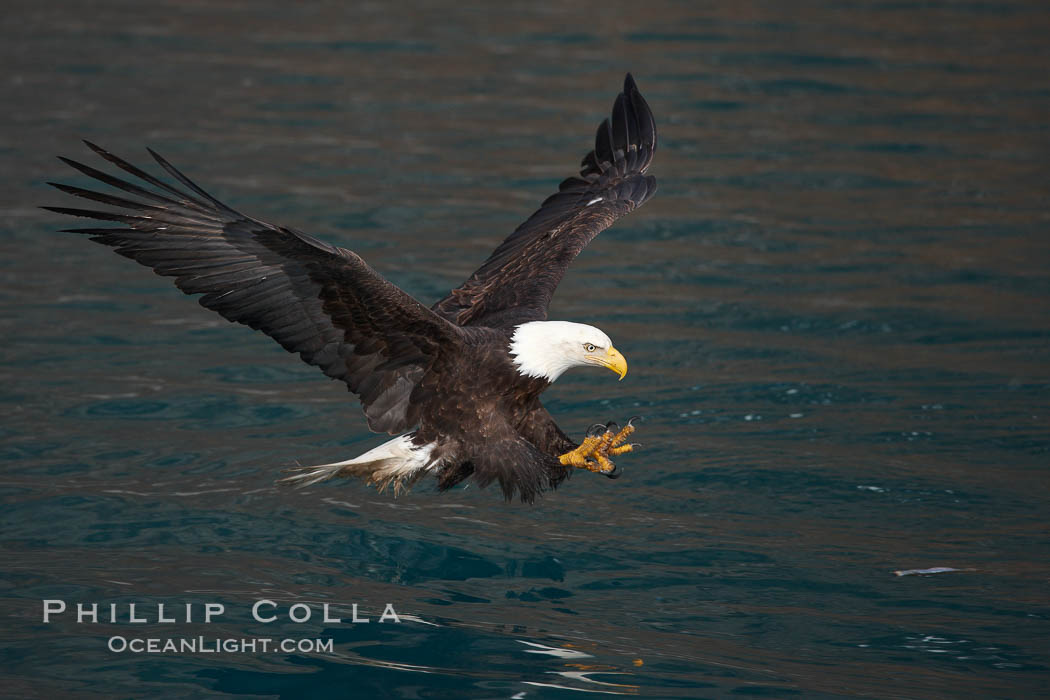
{"type": "Point", "coordinates": [547, 348]}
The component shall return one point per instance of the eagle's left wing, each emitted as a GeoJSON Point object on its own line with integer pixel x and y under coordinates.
{"type": "Point", "coordinates": [320, 301]}
{"type": "Point", "coordinates": [517, 282]}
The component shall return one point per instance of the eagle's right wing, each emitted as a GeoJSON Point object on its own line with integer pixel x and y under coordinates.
{"type": "Point", "coordinates": [320, 301]}
{"type": "Point", "coordinates": [517, 282]}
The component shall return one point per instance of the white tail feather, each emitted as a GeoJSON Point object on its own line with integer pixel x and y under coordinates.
{"type": "Point", "coordinates": [398, 462]}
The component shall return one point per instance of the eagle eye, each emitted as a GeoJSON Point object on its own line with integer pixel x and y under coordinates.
{"type": "Point", "coordinates": [589, 347]}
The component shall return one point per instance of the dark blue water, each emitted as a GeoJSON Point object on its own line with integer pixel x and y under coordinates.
{"type": "Point", "coordinates": [835, 311]}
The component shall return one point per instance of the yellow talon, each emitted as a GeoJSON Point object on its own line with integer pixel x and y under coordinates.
{"type": "Point", "coordinates": [623, 435]}
{"type": "Point", "coordinates": [605, 465]}
{"type": "Point", "coordinates": [594, 452]}
{"type": "Point", "coordinates": [578, 457]}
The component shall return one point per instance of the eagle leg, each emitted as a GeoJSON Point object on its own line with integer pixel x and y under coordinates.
{"type": "Point", "coordinates": [594, 452]}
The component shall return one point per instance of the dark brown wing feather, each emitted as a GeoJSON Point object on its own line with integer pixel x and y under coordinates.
{"type": "Point", "coordinates": [517, 282]}
{"type": "Point", "coordinates": [320, 301]}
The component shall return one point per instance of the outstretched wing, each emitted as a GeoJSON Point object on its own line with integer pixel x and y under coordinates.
{"type": "Point", "coordinates": [517, 282]}
{"type": "Point", "coordinates": [320, 301]}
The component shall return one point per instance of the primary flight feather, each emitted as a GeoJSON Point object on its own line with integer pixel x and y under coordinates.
{"type": "Point", "coordinates": [458, 383]}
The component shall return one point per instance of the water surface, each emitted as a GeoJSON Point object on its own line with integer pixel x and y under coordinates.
{"type": "Point", "coordinates": [835, 310]}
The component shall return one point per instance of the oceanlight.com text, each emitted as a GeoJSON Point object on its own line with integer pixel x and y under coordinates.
{"type": "Point", "coordinates": [217, 645]}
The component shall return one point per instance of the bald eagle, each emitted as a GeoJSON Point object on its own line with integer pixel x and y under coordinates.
{"type": "Point", "coordinates": [458, 383]}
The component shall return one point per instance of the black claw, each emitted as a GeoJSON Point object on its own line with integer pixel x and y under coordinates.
{"type": "Point", "coordinates": [615, 473]}
{"type": "Point", "coordinates": [632, 419]}
{"type": "Point", "coordinates": [612, 426]}
{"type": "Point", "coordinates": [596, 430]}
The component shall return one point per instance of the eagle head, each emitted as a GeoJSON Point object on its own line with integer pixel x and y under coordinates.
{"type": "Point", "coordinates": [548, 348]}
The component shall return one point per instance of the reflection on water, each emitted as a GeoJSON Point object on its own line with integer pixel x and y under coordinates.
{"type": "Point", "coordinates": [835, 311]}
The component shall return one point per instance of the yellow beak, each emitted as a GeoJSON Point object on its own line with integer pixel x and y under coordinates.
{"type": "Point", "coordinates": [613, 360]}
